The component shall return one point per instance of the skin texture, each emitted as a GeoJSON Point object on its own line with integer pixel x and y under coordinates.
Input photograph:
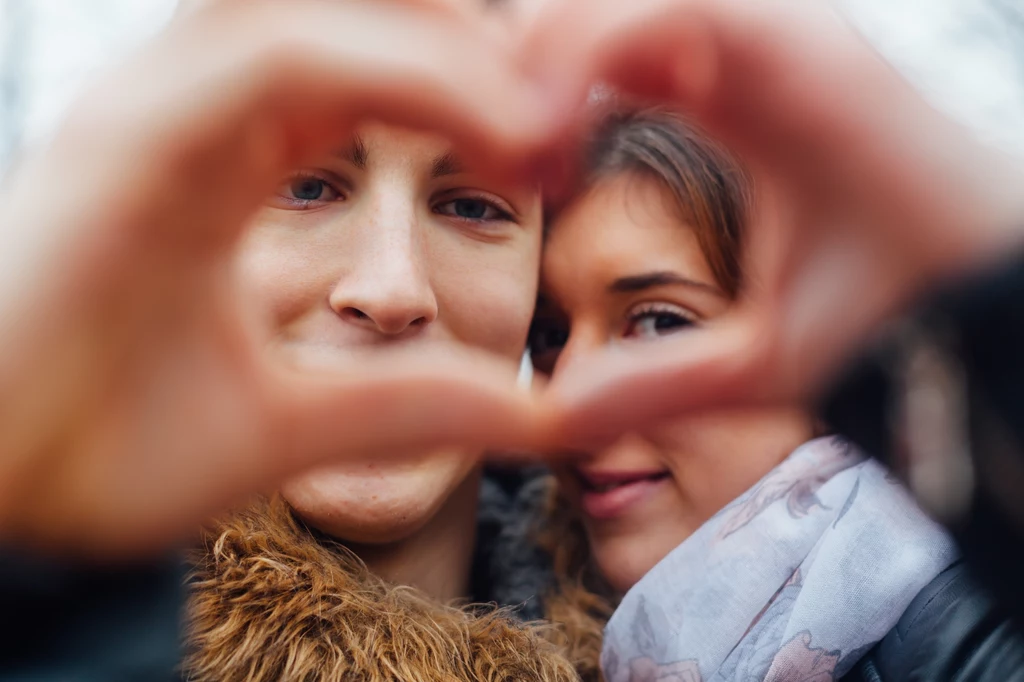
{"type": "Point", "coordinates": [627, 226]}
{"type": "Point", "coordinates": [393, 253]}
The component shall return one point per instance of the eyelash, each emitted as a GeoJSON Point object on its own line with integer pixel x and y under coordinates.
{"type": "Point", "coordinates": [501, 214]}
{"type": "Point", "coordinates": [653, 310]}
{"type": "Point", "coordinates": [306, 204]}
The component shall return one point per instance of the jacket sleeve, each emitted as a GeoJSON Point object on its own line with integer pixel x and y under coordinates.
{"type": "Point", "coordinates": [85, 624]}
{"type": "Point", "coordinates": [972, 330]}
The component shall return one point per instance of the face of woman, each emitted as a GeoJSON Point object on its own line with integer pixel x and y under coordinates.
{"type": "Point", "coordinates": [620, 268]}
{"type": "Point", "coordinates": [394, 240]}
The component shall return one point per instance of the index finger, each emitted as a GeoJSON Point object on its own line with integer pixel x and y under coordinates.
{"type": "Point", "coordinates": [229, 99]}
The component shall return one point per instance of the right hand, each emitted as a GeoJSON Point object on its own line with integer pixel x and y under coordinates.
{"type": "Point", "coordinates": [136, 396]}
{"type": "Point", "coordinates": [873, 195]}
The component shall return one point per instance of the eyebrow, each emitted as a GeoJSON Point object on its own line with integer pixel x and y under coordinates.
{"type": "Point", "coordinates": [649, 280]}
{"type": "Point", "coordinates": [446, 164]}
{"type": "Point", "coordinates": [356, 153]}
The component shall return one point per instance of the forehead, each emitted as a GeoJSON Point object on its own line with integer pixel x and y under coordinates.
{"type": "Point", "coordinates": [624, 226]}
{"type": "Point", "coordinates": [378, 143]}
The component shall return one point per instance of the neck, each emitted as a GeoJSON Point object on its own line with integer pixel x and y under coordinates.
{"type": "Point", "coordinates": [438, 557]}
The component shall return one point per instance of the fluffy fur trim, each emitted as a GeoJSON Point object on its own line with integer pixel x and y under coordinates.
{"type": "Point", "coordinates": [270, 601]}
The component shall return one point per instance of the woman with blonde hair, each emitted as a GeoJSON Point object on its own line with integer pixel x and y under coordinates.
{"type": "Point", "coordinates": [396, 241]}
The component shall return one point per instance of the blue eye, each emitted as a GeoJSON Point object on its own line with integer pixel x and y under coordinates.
{"type": "Point", "coordinates": [306, 190]}
{"type": "Point", "coordinates": [472, 209]}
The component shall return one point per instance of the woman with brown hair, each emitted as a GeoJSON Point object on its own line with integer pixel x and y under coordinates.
{"type": "Point", "coordinates": [720, 537]}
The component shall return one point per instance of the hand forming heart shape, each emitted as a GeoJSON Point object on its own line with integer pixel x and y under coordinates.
{"type": "Point", "coordinates": [143, 405]}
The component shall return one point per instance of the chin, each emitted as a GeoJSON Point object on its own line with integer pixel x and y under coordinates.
{"type": "Point", "coordinates": [623, 562]}
{"type": "Point", "coordinates": [374, 504]}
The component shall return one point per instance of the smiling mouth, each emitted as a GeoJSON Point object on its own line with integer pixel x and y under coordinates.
{"type": "Point", "coordinates": [607, 496]}
{"type": "Point", "coordinates": [607, 482]}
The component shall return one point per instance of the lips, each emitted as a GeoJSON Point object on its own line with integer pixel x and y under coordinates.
{"type": "Point", "coordinates": [608, 495]}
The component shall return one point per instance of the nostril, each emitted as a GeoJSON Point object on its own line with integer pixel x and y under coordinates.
{"type": "Point", "coordinates": [390, 325]}
{"type": "Point", "coordinates": [355, 313]}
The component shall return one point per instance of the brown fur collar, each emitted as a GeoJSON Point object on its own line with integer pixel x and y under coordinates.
{"type": "Point", "coordinates": [269, 601]}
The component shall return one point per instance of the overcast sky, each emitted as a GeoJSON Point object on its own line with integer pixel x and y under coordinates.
{"type": "Point", "coordinates": [967, 56]}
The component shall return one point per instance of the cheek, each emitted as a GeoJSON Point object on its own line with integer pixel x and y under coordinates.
{"type": "Point", "coordinates": [279, 277]}
{"type": "Point", "coordinates": [487, 294]}
{"type": "Point", "coordinates": [717, 457]}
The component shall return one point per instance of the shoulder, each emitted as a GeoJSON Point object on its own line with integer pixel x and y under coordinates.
{"type": "Point", "coordinates": [953, 630]}
{"type": "Point", "coordinates": [270, 600]}
{"type": "Point", "coordinates": [263, 589]}
{"type": "Point", "coordinates": [88, 622]}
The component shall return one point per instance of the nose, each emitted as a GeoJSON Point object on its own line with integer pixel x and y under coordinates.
{"type": "Point", "coordinates": [584, 340]}
{"type": "Point", "coordinates": [388, 288]}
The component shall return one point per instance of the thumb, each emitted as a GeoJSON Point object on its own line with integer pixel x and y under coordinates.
{"type": "Point", "coordinates": [622, 390]}
{"type": "Point", "coordinates": [399, 405]}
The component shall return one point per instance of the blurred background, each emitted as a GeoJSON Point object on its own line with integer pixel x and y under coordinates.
{"type": "Point", "coordinates": [49, 49]}
{"type": "Point", "coordinates": [967, 56]}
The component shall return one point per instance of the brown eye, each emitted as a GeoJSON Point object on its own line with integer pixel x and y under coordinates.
{"type": "Point", "coordinates": [657, 320]}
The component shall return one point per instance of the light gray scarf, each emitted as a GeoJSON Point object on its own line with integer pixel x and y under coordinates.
{"type": "Point", "coordinates": [794, 581]}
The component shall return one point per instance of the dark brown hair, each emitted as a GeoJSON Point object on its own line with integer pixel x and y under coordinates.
{"type": "Point", "coordinates": [711, 190]}
{"type": "Point", "coordinates": [713, 198]}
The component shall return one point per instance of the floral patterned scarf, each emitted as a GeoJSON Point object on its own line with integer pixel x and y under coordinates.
{"type": "Point", "coordinates": [794, 581]}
